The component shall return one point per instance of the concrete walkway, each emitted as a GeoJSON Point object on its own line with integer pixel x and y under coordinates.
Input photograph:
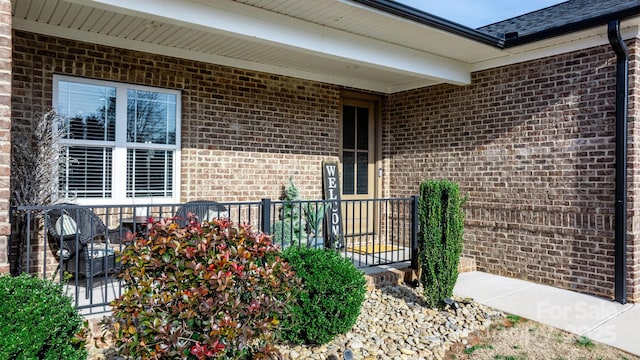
{"type": "Point", "coordinates": [601, 320]}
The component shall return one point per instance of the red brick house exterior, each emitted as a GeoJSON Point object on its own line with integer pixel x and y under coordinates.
{"type": "Point", "coordinates": [5, 128]}
{"type": "Point", "coordinates": [532, 142]}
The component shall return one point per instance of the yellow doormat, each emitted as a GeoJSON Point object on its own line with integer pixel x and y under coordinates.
{"type": "Point", "coordinates": [371, 249]}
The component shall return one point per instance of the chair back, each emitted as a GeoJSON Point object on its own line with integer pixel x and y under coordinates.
{"type": "Point", "coordinates": [200, 210]}
{"type": "Point", "coordinates": [78, 222]}
{"type": "Point", "coordinates": [62, 230]}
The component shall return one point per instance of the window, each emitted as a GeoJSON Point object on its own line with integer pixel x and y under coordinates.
{"type": "Point", "coordinates": [356, 153]}
{"type": "Point", "coordinates": [122, 142]}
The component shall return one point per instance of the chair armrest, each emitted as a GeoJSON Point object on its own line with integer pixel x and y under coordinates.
{"type": "Point", "coordinates": [115, 236]}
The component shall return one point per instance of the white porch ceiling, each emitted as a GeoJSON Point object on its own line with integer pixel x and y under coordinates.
{"type": "Point", "coordinates": [334, 41]}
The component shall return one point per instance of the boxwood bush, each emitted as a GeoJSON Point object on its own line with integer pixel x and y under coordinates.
{"type": "Point", "coordinates": [332, 296]}
{"type": "Point", "coordinates": [206, 291]}
{"type": "Point", "coordinates": [38, 321]}
{"type": "Point", "coordinates": [441, 220]}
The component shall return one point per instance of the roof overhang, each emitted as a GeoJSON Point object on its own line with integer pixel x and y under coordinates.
{"type": "Point", "coordinates": [344, 42]}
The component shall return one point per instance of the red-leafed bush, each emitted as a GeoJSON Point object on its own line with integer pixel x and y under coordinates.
{"type": "Point", "coordinates": [210, 291]}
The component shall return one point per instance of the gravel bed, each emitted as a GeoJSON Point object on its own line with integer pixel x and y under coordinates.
{"type": "Point", "coordinates": [394, 323]}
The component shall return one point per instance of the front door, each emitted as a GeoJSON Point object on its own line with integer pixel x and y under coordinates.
{"type": "Point", "coordinates": [358, 165]}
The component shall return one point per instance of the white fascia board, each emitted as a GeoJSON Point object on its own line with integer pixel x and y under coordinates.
{"type": "Point", "coordinates": [411, 86]}
{"type": "Point", "coordinates": [568, 43]}
{"type": "Point", "coordinates": [259, 25]}
{"type": "Point", "coordinates": [57, 31]}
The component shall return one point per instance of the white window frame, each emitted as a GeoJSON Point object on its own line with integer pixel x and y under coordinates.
{"type": "Point", "coordinates": [119, 160]}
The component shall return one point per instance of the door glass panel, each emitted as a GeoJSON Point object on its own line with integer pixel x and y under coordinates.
{"type": "Point", "coordinates": [355, 147]}
{"type": "Point", "coordinates": [357, 152]}
{"type": "Point", "coordinates": [348, 175]}
{"type": "Point", "coordinates": [348, 127]}
{"type": "Point", "coordinates": [362, 173]}
{"type": "Point", "coordinates": [363, 128]}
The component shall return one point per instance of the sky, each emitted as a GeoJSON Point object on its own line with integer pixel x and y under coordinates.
{"type": "Point", "coordinates": [476, 13]}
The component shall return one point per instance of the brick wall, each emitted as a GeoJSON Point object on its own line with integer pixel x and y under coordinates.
{"type": "Point", "coordinates": [5, 129]}
{"type": "Point", "coordinates": [243, 132]}
{"type": "Point", "coordinates": [533, 145]}
{"type": "Point", "coordinates": [633, 248]}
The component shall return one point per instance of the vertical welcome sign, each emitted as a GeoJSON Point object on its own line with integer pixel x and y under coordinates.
{"type": "Point", "coordinates": [331, 186]}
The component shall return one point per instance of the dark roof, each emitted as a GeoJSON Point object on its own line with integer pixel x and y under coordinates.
{"type": "Point", "coordinates": [567, 17]}
{"type": "Point", "coordinates": [573, 15]}
{"type": "Point", "coordinates": [419, 16]}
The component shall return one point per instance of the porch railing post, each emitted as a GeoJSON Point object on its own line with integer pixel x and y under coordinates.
{"type": "Point", "coordinates": [414, 232]}
{"type": "Point", "coordinates": [265, 223]}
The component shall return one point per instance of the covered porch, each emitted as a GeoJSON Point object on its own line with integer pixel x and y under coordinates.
{"type": "Point", "coordinates": [259, 92]}
{"type": "Point", "coordinates": [78, 245]}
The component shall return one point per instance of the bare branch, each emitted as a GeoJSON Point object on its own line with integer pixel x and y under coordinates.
{"type": "Point", "coordinates": [36, 161]}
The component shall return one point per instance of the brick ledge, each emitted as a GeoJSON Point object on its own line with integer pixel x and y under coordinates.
{"type": "Point", "coordinates": [393, 276]}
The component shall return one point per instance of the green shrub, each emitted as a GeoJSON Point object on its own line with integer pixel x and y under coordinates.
{"type": "Point", "coordinates": [332, 297]}
{"type": "Point", "coordinates": [38, 321]}
{"type": "Point", "coordinates": [441, 221]}
{"type": "Point", "coordinates": [300, 222]}
{"type": "Point", "coordinates": [204, 291]}
{"type": "Point", "coordinates": [289, 230]}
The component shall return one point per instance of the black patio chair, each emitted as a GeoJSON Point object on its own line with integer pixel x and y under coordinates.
{"type": "Point", "coordinates": [79, 231]}
{"type": "Point", "coordinates": [201, 210]}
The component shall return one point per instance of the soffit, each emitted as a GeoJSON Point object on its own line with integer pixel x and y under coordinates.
{"type": "Point", "coordinates": [358, 19]}
{"type": "Point", "coordinates": [366, 49]}
{"type": "Point", "coordinates": [479, 56]}
{"type": "Point", "coordinates": [333, 41]}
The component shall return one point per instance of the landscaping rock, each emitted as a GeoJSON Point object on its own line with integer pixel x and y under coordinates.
{"type": "Point", "coordinates": [395, 323]}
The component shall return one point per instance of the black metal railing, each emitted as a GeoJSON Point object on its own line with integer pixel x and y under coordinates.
{"type": "Point", "coordinates": [78, 244]}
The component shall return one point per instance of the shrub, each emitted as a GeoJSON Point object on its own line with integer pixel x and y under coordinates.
{"type": "Point", "coordinates": [205, 291]}
{"type": "Point", "coordinates": [300, 222]}
{"type": "Point", "coordinates": [289, 230]}
{"type": "Point", "coordinates": [441, 221]}
{"type": "Point", "coordinates": [38, 321]}
{"type": "Point", "coordinates": [332, 297]}
{"type": "Point", "coordinates": [314, 213]}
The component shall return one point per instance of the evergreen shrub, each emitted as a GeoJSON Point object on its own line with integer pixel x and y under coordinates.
{"type": "Point", "coordinates": [207, 291]}
{"type": "Point", "coordinates": [332, 296]}
{"type": "Point", "coordinates": [38, 321]}
{"type": "Point", "coordinates": [289, 229]}
{"type": "Point", "coordinates": [441, 221]}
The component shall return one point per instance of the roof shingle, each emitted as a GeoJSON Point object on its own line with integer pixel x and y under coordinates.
{"type": "Point", "coordinates": [568, 12]}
